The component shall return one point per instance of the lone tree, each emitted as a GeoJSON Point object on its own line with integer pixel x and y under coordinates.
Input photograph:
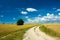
{"type": "Point", "coordinates": [20, 22]}
{"type": "Point", "coordinates": [3, 23]}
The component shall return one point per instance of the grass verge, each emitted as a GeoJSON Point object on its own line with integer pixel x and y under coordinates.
{"type": "Point", "coordinates": [17, 35]}
{"type": "Point", "coordinates": [49, 31]}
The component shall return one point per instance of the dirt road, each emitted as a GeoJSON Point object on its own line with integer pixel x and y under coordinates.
{"type": "Point", "coordinates": [36, 34]}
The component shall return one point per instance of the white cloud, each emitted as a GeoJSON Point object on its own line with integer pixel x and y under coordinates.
{"type": "Point", "coordinates": [45, 19]}
{"type": "Point", "coordinates": [48, 14]}
{"type": "Point", "coordinates": [39, 15]}
{"type": "Point", "coordinates": [35, 20]}
{"type": "Point", "coordinates": [31, 9]}
{"type": "Point", "coordinates": [26, 17]}
{"type": "Point", "coordinates": [24, 12]}
{"type": "Point", "coordinates": [30, 20]}
{"type": "Point", "coordinates": [58, 9]}
{"type": "Point", "coordinates": [58, 13]}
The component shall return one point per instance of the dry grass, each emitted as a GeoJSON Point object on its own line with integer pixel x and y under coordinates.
{"type": "Point", "coordinates": [17, 33]}
{"type": "Point", "coordinates": [55, 27]}
{"type": "Point", "coordinates": [6, 29]}
{"type": "Point", "coordinates": [49, 31]}
{"type": "Point", "coordinates": [13, 27]}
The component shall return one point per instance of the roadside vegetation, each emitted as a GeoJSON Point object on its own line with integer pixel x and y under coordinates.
{"type": "Point", "coordinates": [13, 31]}
{"type": "Point", "coordinates": [49, 31]}
{"type": "Point", "coordinates": [17, 35]}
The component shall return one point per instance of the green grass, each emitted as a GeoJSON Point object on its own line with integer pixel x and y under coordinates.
{"type": "Point", "coordinates": [17, 35]}
{"type": "Point", "coordinates": [4, 34]}
{"type": "Point", "coordinates": [49, 31]}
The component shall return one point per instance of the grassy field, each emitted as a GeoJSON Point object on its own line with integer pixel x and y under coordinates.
{"type": "Point", "coordinates": [51, 29]}
{"type": "Point", "coordinates": [55, 27]}
{"type": "Point", "coordinates": [12, 31]}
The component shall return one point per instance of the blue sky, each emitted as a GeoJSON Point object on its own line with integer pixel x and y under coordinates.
{"type": "Point", "coordinates": [31, 11]}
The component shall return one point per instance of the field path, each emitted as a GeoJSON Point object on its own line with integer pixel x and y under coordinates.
{"type": "Point", "coordinates": [36, 34]}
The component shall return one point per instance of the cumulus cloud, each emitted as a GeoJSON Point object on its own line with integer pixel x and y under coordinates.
{"type": "Point", "coordinates": [58, 13]}
{"type": "Point", "coordinates": [24, 12]}
{"type": "Point", "coordinates": [48, 14]}
{"type": "Point", "coordinates": [26, 17]}
{"type": "Point", "coordinates": [31, 9]}
{"type": "Point", "coordinates": [58, 9]}
{"type": "Point", "coordinates": [39, 15]}
{"type": "Point", "coordinates": [49, 18]}
{"type": "Point", "coordinates": [33, 20]}
{"type": "Point", "coordinates": [30, 21]}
